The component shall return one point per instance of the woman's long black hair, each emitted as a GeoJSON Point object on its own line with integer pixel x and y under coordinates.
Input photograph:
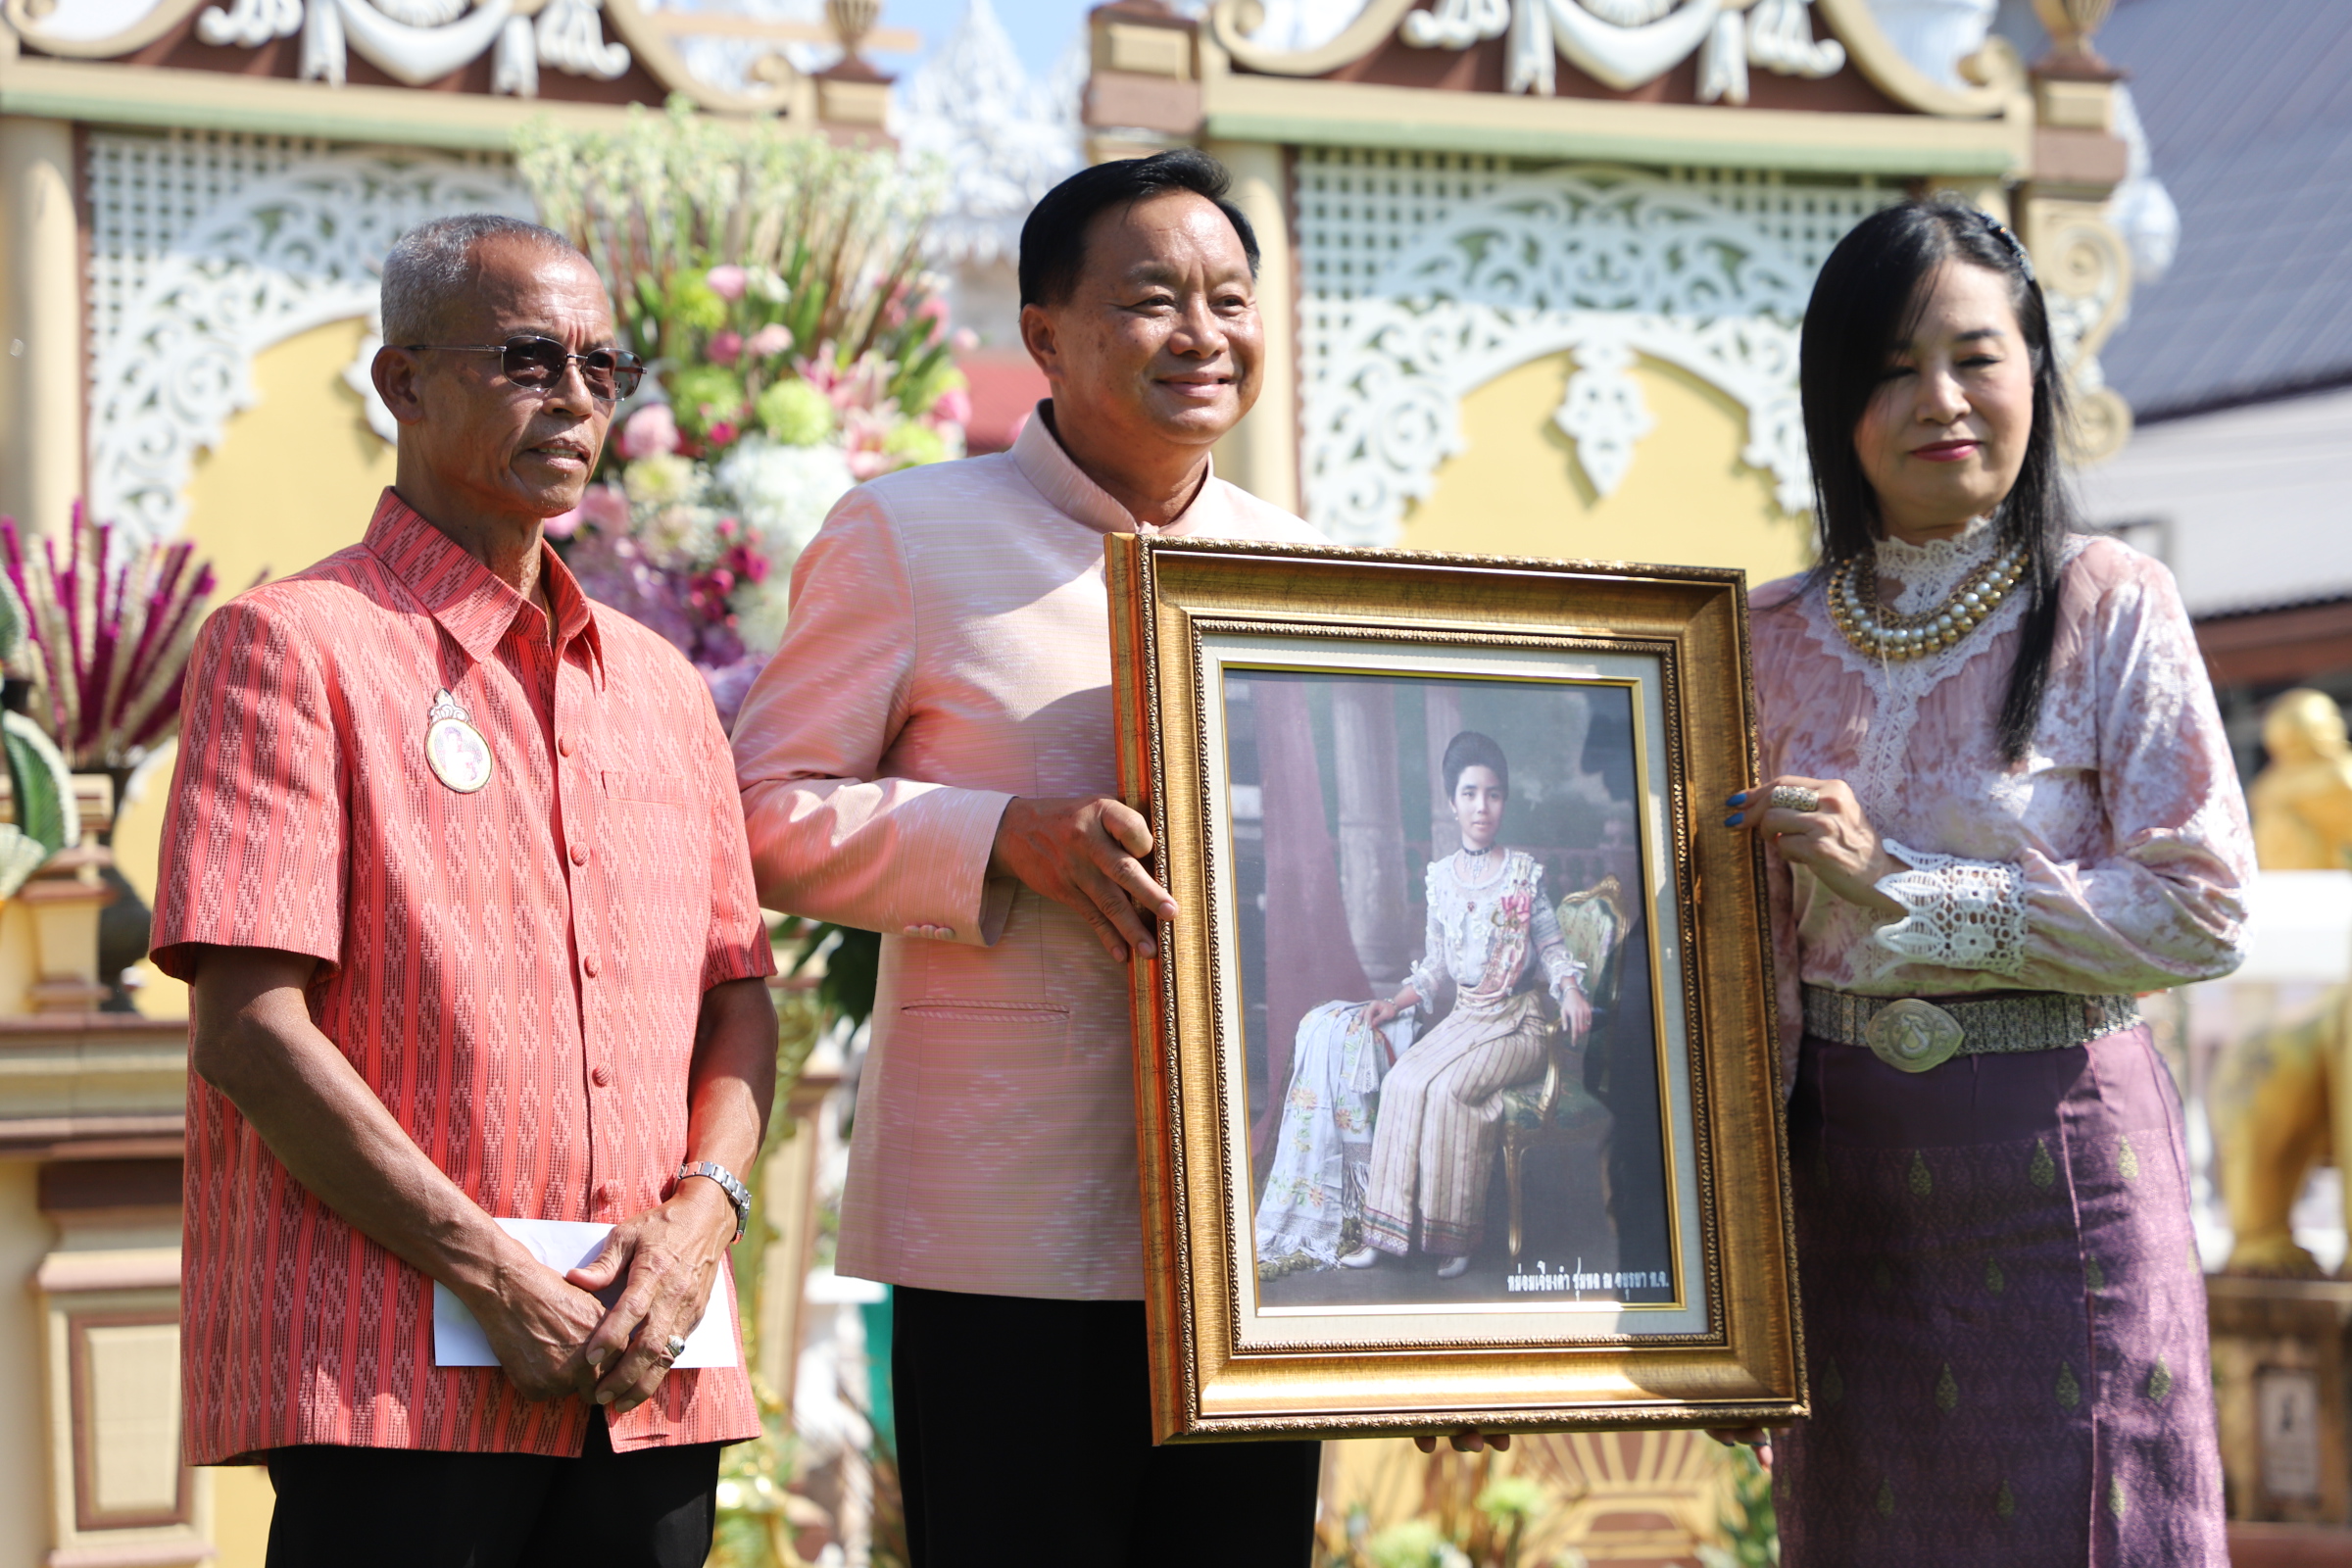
{"type": "Point", "coordinates": [1864, 307]}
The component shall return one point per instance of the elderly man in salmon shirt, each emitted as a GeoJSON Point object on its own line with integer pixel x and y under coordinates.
{"type": "Point", "coordinates": [930, 755]}
{"type": "Point", "coordinates": [454, 864]}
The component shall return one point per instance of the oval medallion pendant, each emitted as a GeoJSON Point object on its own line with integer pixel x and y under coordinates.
{"type": "Point", "coordinates": [453, 748]}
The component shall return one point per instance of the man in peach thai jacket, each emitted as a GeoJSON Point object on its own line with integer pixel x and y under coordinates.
{"type": "Point", "coordinates": [930, 755]}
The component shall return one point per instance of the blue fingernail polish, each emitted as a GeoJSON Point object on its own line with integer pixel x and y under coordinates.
{"type": "Point", "coordinates": [1739, 799]}
{"type": "Point", "coordinates": [1734, 820]}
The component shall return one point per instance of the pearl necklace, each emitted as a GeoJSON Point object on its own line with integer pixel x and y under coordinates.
{"type": "Point", "coordinates": [1883, 634]}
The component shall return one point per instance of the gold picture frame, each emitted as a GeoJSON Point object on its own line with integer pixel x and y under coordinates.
{"type": "Point", "coordinates": [1655, 1283]}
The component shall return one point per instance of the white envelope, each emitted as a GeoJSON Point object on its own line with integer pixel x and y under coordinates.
{"type": "Point", "coordinates": [564, 1244]}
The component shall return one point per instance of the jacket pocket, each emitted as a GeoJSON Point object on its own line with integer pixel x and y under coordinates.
{"type": "Point", "coordinates": [977, 1011]}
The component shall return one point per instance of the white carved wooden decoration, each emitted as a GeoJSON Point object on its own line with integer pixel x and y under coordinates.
{"type": "Point", "coordinates": [1426, 276]}
{"type": "Point", "coordinates": [1626, 44]}
{"type": "Point", "coordinates": [417, 41]}
{"type": "Point", "coordinates": [205, 251]}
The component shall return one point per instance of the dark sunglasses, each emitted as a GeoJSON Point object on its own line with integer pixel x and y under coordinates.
{"type": "Point", "coordinates": [538, 363]}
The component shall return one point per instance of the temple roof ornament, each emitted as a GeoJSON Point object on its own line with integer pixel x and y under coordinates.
{"type": "Point", "coordinates": [1005, 137]}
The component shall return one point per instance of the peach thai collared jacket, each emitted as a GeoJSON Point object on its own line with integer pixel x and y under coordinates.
{"type": "Point", "coordinates": [950, 648]}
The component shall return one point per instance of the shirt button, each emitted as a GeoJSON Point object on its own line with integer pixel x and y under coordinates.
{"type": "Point", "coordinates": [601, 1076]}
{"type": "Point", "coordinates": [579, 854]}
{"type": "Point", "coordinates": [567, 745]}
{"type": "Point", "coordinates": [592, 967]}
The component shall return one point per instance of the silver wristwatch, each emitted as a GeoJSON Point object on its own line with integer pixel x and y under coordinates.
{"type": "Point", "coordinates": [737, 1194]}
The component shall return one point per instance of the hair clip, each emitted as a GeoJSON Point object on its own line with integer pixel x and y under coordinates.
{"type": "Point", "coordinates": [2017, 247]}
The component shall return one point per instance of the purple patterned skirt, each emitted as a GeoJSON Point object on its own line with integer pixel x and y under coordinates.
{"type": "Point", "coordinates": [2004, 1316]}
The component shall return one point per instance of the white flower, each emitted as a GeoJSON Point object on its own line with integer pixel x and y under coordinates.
{"type": "Point", "coordinates": [761, 610]}
{"type": "Point", "coordinates": [782, 494]}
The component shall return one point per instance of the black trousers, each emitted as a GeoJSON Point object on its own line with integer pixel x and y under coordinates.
{"type": "Point", "coordinates": [343, 1508]}
{"type": "Point", "coordinates": [1025, 1438]}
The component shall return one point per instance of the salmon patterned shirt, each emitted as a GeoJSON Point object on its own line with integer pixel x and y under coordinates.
{"type": "Point", "coordinates": [515, 970]}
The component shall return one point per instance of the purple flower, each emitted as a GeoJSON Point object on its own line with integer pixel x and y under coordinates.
{"type": "Point", "coordinates": [726, 347]}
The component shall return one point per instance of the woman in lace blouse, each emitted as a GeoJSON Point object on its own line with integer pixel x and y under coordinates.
{"type": "Point", "coordinates": [2000, 805]}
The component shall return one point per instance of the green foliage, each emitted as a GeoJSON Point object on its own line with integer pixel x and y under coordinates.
{"type": "Point", "coordinates": [47, 818]}
{"type": "Point", "coordinates": [1471, 1516]}
{"type": "Point", "coordinates": [1751, 1528]}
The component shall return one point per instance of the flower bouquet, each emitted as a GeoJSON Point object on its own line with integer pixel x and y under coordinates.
{"type": "Point", "coordinates": [774, 282]}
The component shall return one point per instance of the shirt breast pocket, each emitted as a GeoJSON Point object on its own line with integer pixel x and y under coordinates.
{"type": "Point", "coordinates": [654, 844]}
{"type": "Point", "coordinates": [641, 787]}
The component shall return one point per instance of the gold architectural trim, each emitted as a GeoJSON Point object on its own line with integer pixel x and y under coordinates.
{"type": "Point", "coordinates": [202, 100]}
{"type": "Point", "coordinates": [793, 96]}
{"type": "Point", "coordinates": [167, 15]}
{"type": "Point", "coordinates": [2001, 75]}
{"type": "Point", "coordinates": [1347, 114]}
{"type": "Point", "coordinates": [1371, 28]}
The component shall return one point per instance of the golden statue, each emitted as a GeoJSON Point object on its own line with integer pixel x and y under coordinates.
{"type": "Point", "coordinates": [2275, 1102]}
{"type": "Point", "coordinates": [2302, 802]}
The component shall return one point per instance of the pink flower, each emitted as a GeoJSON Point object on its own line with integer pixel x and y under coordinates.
{"type": "Point", "coordinates": [728, 281]}
{"type": "Point", "coordinates": [605, 508]}
{"type": "Point", "coordinates": [953, 407]}
{"type": "Point", "coordinates": [963, 340]}
{"type": "Point", "coordinates": [769, 341]}
{"type": "Point", "coordinates": [722, 433]}
{"type": "Point", "coordinates": [652, 431]}
{"type": "Point", "coordinates": [726, 347]}
{"type": "Point", "coordinates": [935, 312]}
{"type": "Point", "coordinates": [563, 525]}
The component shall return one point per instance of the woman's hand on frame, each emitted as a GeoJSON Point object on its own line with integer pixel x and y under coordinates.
{"type": "Point", "coordinates": [1835, 841]}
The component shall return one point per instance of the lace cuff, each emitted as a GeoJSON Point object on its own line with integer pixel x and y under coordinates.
{"type": "Point", "coordinates": [1560, 971]}
{"type": "Point", "coordinates": [1960, 914]}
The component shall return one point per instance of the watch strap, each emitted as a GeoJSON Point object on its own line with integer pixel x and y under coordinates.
{"type": "Point", "coordinates": [738, 1195]}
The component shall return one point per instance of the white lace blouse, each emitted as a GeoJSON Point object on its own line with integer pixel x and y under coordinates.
{"type": "Point", "coordinates": [2111, 859]}
{"type": "Point", "coordinates": [1466, 919]}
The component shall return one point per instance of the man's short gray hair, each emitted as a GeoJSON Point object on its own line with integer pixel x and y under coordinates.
{"type": "Point", "coordinates": [431, 266]}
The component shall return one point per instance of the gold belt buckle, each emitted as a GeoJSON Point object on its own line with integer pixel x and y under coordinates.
{"type": "Point", "coordinates": [1913, 1035]}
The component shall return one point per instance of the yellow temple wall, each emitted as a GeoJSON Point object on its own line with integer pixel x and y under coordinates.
{"type": "Point", "coordinates": [24, 1238]}
{"type": "Point", "coordinates": [1688, 500]}
{"type": "Point", "coordinates": [296, 475]}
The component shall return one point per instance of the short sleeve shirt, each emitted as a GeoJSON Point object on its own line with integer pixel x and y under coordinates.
{"type": "Point", "coordinates": [513, 964]}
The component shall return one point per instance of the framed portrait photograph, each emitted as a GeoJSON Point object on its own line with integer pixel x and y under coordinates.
{"type": "Point", "coordinates": [1457, 1086]}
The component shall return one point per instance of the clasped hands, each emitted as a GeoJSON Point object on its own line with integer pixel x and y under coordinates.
{"type": "Point", "coordinates": [555, 1337]}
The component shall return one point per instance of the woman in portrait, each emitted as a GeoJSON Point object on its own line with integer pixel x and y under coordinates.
{"type": "Point", "coordinates": [2000, 805]}
{"type": "Point", "coordinates": [1493, 950]}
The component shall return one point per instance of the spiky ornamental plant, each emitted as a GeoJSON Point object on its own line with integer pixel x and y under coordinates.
{"type": "Point", "coordinates": [108, 627]}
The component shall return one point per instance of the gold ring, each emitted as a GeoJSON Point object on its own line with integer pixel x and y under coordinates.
{"type": "Point", "coordinates": [1795, 798]}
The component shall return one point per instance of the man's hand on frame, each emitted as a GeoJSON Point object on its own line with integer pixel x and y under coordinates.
{"type": "Point", "coordinates": [1085, 851]}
